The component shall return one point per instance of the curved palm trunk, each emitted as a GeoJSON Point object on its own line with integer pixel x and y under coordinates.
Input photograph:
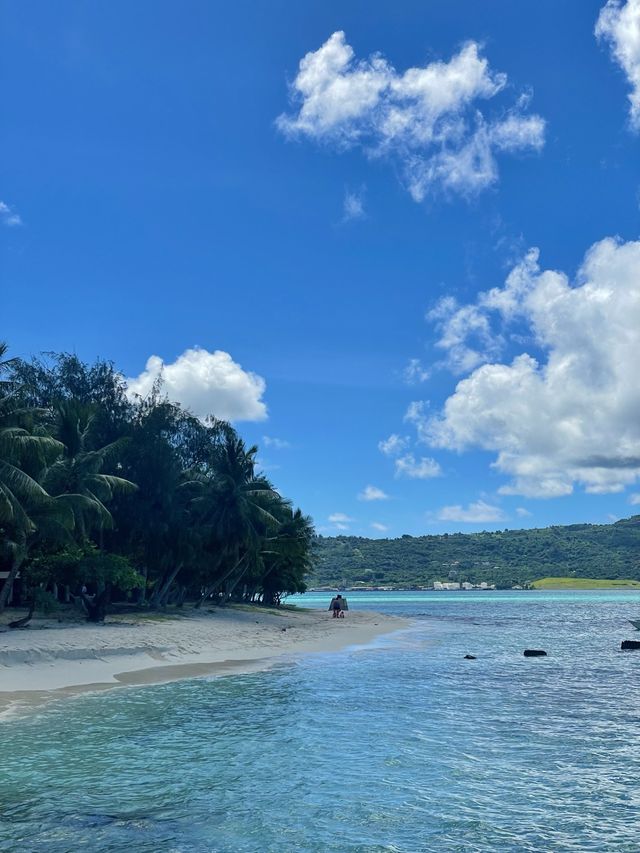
{"type": "Point", "coordinates": [208, 589]}
{"type": "Point", "coordinates": [233, 583]}
{"type": "Point", "coordinates": [6, 590]}
{"type": "Point", "coordinates": [160, 594]}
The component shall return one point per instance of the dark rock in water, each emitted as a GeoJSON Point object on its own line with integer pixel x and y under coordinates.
{"type": "Point", "coordinates": [629, 645]}
{"type": "Point", "coordinates": [534, 653]}
{"type": "Point", "coordinates": [470, 657]}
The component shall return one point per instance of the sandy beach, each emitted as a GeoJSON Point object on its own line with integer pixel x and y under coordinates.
{"type": "Point", "coordinates": [52, 659]}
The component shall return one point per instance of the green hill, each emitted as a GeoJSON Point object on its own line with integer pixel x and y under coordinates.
{"type": "Point", "coordinates": [585, 583]}
{"type": "Point", "coordinates": [506, 558]}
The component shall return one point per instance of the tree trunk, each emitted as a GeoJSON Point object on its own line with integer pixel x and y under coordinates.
{"type": "Point", "coordinates": [161, 591]}
{"type": "Point", "coordinates": [222, 580]}
{"type": "Point", "coordinates": [142, 592]}
{"type": "Point", "coordinates": [7, 589]}
{"type": "Point", "coordinates": [182, 594]}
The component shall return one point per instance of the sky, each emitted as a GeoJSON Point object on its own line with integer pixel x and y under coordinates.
{"type": "Point", "coordinates": [397, 245]}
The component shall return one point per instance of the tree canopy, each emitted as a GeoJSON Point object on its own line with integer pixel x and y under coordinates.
{"type": "Point", "coordinates": [106, 497]}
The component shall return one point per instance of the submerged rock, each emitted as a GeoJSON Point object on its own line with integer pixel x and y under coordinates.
{"type": "Point", "coordinates": [535, 653]}
{"type": "Point", "coordinates": [470, 657]}
{"type": "Point", "coordinates": [629, 645]}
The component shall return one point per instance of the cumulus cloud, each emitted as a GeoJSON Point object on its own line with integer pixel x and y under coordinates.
{"type": "Point", "coordinates": [465, 334]}
{"type": "Point", "coordinates": [619, 25]}
{"type": "Point", "coordinates": [571, 415]}
{"type": "Point", "coordinates": [276, 443]}
{"type": "Point", "coordinates": [8, 216]}
{"type": "Point", "coordinates": [394, 445]}
{"type": "Point", "coordinates": [634, 499]}
{"type": "Point", "coordinates": [372, 493]}
{"type": "Point", "coordinates": [378, 526]}
{"type": "Point", "coordinates": [417, 469]}
{"type": "Point", "coordinates": [205, 383]}
{"type": "Point", "coordinates": [353, 206]}
{"type": "Point", "coordinates": [474, 513]}
{"type": "Point", "coordinates": [426, 119]}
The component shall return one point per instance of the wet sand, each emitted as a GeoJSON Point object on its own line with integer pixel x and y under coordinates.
{"type": "Point", "coordinates": [53, 660]}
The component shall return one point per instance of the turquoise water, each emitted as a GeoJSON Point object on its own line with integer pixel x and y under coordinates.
{"type": "Point", "coordinates": [400, 746]}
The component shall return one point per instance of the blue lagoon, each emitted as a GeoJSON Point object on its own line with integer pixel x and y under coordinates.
{"type": "Point", "coordinates": [401, 745]}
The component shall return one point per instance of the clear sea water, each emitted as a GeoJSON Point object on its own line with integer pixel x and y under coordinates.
{"type": "Point", "coordinates": [400, 746]}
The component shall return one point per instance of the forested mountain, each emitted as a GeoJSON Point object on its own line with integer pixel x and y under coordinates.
{"type": "Point", "coordinates": [505, 557]}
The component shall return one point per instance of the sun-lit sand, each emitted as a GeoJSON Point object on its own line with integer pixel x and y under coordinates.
{"type": "Point", "coordinates": [57, 659]}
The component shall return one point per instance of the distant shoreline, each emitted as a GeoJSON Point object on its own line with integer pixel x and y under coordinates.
{"type": "Point", "coordinates": [39, 665]}
{"type": "Point", "coordinates": [541, 584]}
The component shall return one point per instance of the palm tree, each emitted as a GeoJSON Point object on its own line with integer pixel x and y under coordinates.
{"type": "Point", "coordinates": [23, 501]}
{"type": "Point", "coordinates": [76, 477]}
{"type": "Point", "coordinates": [235, 507]}
{"type": "Point", "coordinates": [287, 555]}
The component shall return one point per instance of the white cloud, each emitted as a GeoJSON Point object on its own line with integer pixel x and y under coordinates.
{"type": "Point", "coordinates": [276, 443]}
{"type": "Point", "coordinates": [336, 517]}
{"type": "Point", "coordinates": [394, 445]}
{"type": "Point", "coordinates": [465, 334]}
{"type": "Point", "coordinates": [414, 372]}
{"type": "Point", "coordinates": [417, 469]}
{"type": "Point", "coordinates": [619, 24]}
{"type": "Point", "coordinates": [372, 493]}
{"type": "Point", "coordinates": [521, 512]}
{"type": "Point", "coordinates": [574, 416]}
{"type": "Point", "coordinates": [426, 119]}
{"type": "Point", "coordinates": [205, 383]}
{"type": "Point", "coordinates": [634, 499]}
{"type": "Point", "coordinates": [378, 526]}
{"type": "Point", "coordinates": [353, 206]}
{"type": "Point", "coordinates": [475, 513]}
{"type": "Point", "coordinates": [340, 520]}
{"type": "Point", "coordinates": [8, 216]}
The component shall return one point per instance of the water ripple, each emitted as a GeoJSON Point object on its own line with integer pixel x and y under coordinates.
{"type": "Point", "coordinates": [404, 749]}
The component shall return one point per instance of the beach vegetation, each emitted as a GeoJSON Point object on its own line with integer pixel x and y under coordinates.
{"type": "Point", "coordinates": [104, 497]}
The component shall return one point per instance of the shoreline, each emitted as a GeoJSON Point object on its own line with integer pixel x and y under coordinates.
{"type": "Point", "coordinates": [55, 660]}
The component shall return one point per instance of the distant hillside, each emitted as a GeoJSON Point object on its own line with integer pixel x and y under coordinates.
{"type": "Point", "coordinates": [585, 583]}
{"type": "Point", "coordinates": [505, 557]}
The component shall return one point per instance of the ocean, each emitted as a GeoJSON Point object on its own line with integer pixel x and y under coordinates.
{"type": "Point", "coordinates": [402, 745]}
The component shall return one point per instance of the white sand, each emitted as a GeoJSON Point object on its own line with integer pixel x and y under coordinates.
{"type": "Point", "coordinates": [36, 664]}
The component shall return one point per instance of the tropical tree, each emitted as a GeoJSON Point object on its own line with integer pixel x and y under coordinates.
{"type": "Point", "coordinates": [287, 557]}
{"type": "Point", "coordinates": [76, 477]}
{"type": "Point", "coordinates": [234, 508]}
{"type": "Point", "coordinates": [200, 519]}
{"type": "Point", "coordinates": [24, 503]}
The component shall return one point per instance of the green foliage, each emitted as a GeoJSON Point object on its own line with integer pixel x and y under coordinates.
{"type": "Point", "coordinates": [100, 491]}
{"type": "Point", "coordinates": [62, 566]}
{"type": "Point", "coordinates": [100, 569]}
{"type": "Point", "coordinates": [584, 583]}
{"type": "Point", "coordinates": [45, 602]}
{"type": "Point", "coordinates": [506, 558]}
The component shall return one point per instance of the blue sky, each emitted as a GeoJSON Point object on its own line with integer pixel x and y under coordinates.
{"type": "Point", "coordinates": [336, 255]}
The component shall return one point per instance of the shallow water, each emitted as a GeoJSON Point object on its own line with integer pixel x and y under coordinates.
{"type": "Point", "coordinates": [400, 746]}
